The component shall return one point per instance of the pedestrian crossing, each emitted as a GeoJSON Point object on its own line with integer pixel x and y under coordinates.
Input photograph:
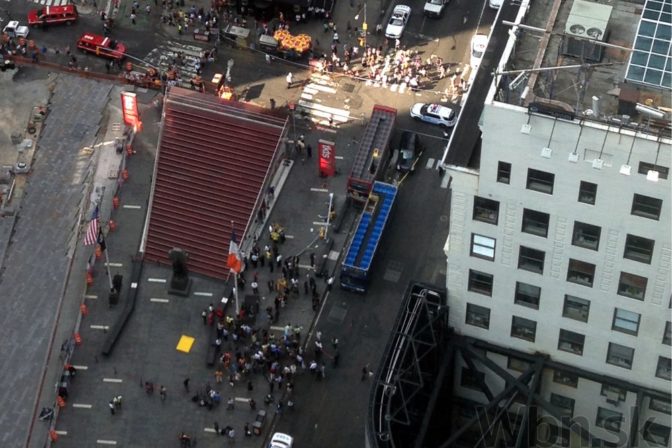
{"type": "Point", "coordinates": [320, 89]}
{"type": "Point", "coordinates": [434, 164]}
{"type": "Point", "coordinates": [164, 55]}
{"type": "Point", "coordinates": [50, 2]}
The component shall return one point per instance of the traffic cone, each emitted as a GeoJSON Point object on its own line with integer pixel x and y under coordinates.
{"type": "Point", "coordinates": [129, 150]}
{"type": "Point", "coordinates": [78, 339]}
{"type": "Point", "coordinates": [53, 435]}
{"type": "Point", "coordinates": [60, 402]}
{"type": "Point", "coordinates": [89, 278]}
{"type": "Point", "coordinates": [113, 225]}
{"type": "Point", "coordinates": [84, 309]}
{"type": "Point", "coordinates": [115, 202]}
{"type": "Point", "coordinates": [124, 174]}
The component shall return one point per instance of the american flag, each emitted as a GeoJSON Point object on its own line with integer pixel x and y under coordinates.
{"type": "Point", "coordinates": [91, 236]}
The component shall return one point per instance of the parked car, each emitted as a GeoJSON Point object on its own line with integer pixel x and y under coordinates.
{"type": "Point", "coordinates": [409, 151]}
{"type": "Point", "coordinates": [434, 114]}
{"type": "Point", "coordinates": [435, 8]}
{"type": "Point", "coordinates": [398, 21]}
{"type": "Point", "coordinates": [478, 45]}
{"type": "Point", "coordinates": [53, 15]}
{"type": "Point", "coordinates": [281, 440]}
{"type": "Point", "coordinates": [101, 46]}
{"type": "Point", "coordinates": [13, 29]}
{"type": "Point", "coordinates": [495, 4]}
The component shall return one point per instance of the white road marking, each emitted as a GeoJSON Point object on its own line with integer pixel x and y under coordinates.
{"type": "Point", "coordinates": [61, 433]}
{"type": "Point", "coordinates": [99, 327]}
{"type": "Point", "coordinates": [134, 285]}
{"type": "Point", "coordinates": [106, 442]}
{"type": "Point", "coordinates": [242, 399]}
{"type": "Point", "coordinates": [114, 265]}
{"type": "Point", "coordinates": [158, 300]}
{"type": "Point", "coordinates": [203, 294]}
{"type": "Point", "coordinates": [81, 367]}
{"type": "Point", "coordinates": [445, 181]}
{"type": "Point", "coordinates": [305, 266]}
{"type": "Point", "coordinates": [339, 157]}
{"type": "Point", "coordinates": [156, 280]}
{"type": "Point", "coordinates": [91, 296]}
{"type": "Point", "coordinates": [133, 207]}
{"type": "Point", "coordinates": [276, 328]}
{"type": "Point", "coordinates": [306, 96]}
{"type": "Point", "coordinates": [209, 430]}
{"type": "Point", "coordinates": [319, 190]}
{"type": "Point", "coordinates": [112, 380]}
{"type": "Point", "coordinates": [289, 237]}
{"type": "Point", "coordinates": [321, 88]}
{"type": "Point", "coordinates": [321, 223]}
{"type": "Point", "coordinates": [82, 405]}
{"type": "Point", "coordinates": [430, 163]}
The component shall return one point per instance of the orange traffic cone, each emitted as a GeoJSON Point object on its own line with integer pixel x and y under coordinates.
{"type": "Point", "coordinates": [113, 225]}
{"type": "Point", "coordinates": [60, 401]}
{"type": "Point", "coordinates": [53, 435]}
{"type": "Point", "coordinates": [129, 150]}
{"type": "Point", "coordinates": [78, 339]}
{"type": "Point", "coordinates": [84, 309]}
{"type": "Point", "coordinates": [124, 174]}
{"type": "Point", "coordinates": [115, 202]}
{"type": "Point", "coordinates": [89, 278]}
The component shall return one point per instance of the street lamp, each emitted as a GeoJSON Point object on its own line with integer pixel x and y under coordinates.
{"type": "Point", "coordinates": [364, 24]}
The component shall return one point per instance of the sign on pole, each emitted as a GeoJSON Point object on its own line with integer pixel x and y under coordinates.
{"type": "Point", "coordinates": [327, 158]}
{"type": "Point", "coordinates": [129, 109]}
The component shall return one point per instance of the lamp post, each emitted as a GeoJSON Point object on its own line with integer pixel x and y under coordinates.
{"type": "Point", "coordinates": [365, 26]}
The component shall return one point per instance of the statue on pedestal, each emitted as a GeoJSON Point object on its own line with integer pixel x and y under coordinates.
{"type": "Point", "coordinates": [180, 283]}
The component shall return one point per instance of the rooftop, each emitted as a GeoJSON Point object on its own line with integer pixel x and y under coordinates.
{"type": "Point", "coordinates": [595, 86]}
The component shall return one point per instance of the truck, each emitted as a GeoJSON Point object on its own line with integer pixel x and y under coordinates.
{"type": "Point", "coordinates": [435, 8]}
{"type": "Point", "coordinates": [356, 266]}
{"type": "Point", "coordinates": [372, 155]}
{"type": "Point", "coordinates": [14, 30]}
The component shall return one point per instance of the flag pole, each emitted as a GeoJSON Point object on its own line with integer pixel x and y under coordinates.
{"type": "Point", "coordinates": [235, 277]}
{"type": "Point", "coordinates": [107, 262]}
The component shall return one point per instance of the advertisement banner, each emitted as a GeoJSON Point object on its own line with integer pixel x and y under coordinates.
{"type": "Point", "coordinates": [327, 158]}
{"type": "Point", "coordinates": [129, 109]}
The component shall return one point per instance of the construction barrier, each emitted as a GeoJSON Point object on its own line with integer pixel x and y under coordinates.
{"type": "Point", "coordinates": [78, 339]}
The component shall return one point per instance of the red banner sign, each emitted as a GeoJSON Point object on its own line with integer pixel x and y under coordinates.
{"type": "Point", "coordinates": [327, 158]}
{"type": "Point", "coordinates": [129, 110]}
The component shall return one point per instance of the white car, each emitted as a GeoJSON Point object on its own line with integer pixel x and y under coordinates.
{"type": "Point", "coordinates": [398, 21]}
{"type": "Point", "coordinates": [281, 440]}
{"type": "Point", "coordinates": [435, 8]}
{"type": "Point", "coordinates": [495, 4]}
{"type": "Point", "coordinates": [13, 29]}
{"type": "Point", "coordinates": [478, 45]}
{"type": "Point", "coordinates": [434, 114]}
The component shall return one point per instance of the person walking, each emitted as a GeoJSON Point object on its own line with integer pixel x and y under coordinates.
{"type": "Point", "coordinates": [111, 406]}
{"type": "Point", "coordinates": [366, 372]}
{"type": "Point", "coordinates": [133, 18]}
{"type": "Point", "coordinates": [162, 392]}
{"type": "Point", "coordinates": [330, 283]}
{"type": "Point", "coordinates": [186, 385]}
{"type": "Point", "coordinates": [290, 80]}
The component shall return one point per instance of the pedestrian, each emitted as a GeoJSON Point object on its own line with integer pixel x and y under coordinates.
{"type": "Point", "coordinates": [133, 18]}
{"type": "Point", "coordinates": [272, 101]}
{"type": "Point", "coordinates": [305, 287]}
{"type": "Point", "coordinates": [278, 260]}
{"type": "Point", "coordinates": [162, 392]}
{"type": "Point", "coordinates": [253, 404]}
{"type": "Point", "coordinates": [111, 406]}
{"type": "Point", "coordinates": [290, 80]}
{"type": "Point", "coordinates": [312, 259]}
{"type": "Point", "coordinates": [270, 283]}
{"type": "Point", "coordinates": [323, 373]}
{"type": "Point", "coordinates": [337, 356]}
{"type": "Point", "coordinates": [148, 9]}
{"type": "Point", "coordinates": [204, 316]}
{"type": "Point", "coordinates": [219, 376]}
{"type": "Point", "coordinates": [246, 430]}
{"type": "Point", "coordinates": [255, 287]}
{"type": "Point", "coordinates": [366, 372]}
{"type": "Point", "coordinates": [186, 385]}
{"type": "Point", "coordinates": [278, 408]}
{"type": "Point", "coordinates": [316, 300]}
{"type": "Point", "coordinates": [330, 282]}
{"type": "Point", "coordinates": [216, 427]}
{"type": "Point", "coordinates": [117, 401]}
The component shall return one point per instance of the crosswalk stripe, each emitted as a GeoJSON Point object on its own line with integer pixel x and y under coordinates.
{"type": "Point", "coordinates": [326, 111]}
{"type": "Point", "coordinates": [321, 88]}
{"type": "Point", "coordinates": [430, 163]}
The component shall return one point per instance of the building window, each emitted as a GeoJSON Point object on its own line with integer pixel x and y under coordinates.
{"type": "Point", "coordinates": [667, 335]}
{"type": "Point", "coordinates": [581, 272]}
{"type": "Point", "coordinates": [656, 434]}
{"type": "Point", "coordinates": [523, 328]}
{"type": "Point", "coordinates": [646, 207]}
{"type": "Point", "coordinates": [527, 295]}
{"type": "Point", "coordinates": [664, 368]}
{"type": "Point", "coordinates": [608, 419]}
{"type": "Point", "coordinates": [586, 235]}
{"type": "Point", "coordinates": [571, 342]}
{"type": "Point", "coordinates": [625, 321]}
{"type": "Point", "coordinates": [633, 286]}
{"type": "Point", "coordinates": [517, 364]}
{"type": "Point", "coordinates": [531, 260]}
{"type": "Point", "coordinates": [482, 247]}
{"type": "Point", "coordinates": [540, 181]}
{"type": "Point", "coordinates": [480, 282]}
{"type": "Point", "coordinates": [470, 379]}
{"type": "Point", "coordinates": [565, 378]}
{"type": "Point", "coordinates": [587, 193]}
{"type": "Point", "coordinates": [535, 222]}
{"type": "Point", "coordinates": [620, 355]}
{"type": "Point", "coordinates": [486, 210]}
{"type": "Point", "coordinates": [564, 404]}
{"type": "Point", "coordinates": [478, 316]}
{"type": "Point", "coordinates": [504, 172]}
{"type": "Point", "coordinates": [613, 393]}
{"type": "Point", "coordinates": [576, 308]}
{"type": "Point", "coordinates": [638, 249]}
{"type": "Point", "coordinates": [645, 167]}
{"type": "Point", "coordinates": [661, 405]}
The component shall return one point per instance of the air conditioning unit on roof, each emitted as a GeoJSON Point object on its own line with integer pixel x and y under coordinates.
{"type": "Point", "coordinates": [587, 20]}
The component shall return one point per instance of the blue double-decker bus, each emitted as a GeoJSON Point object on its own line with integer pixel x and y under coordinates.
{"type": "Point", "coordinates": [356, 267]}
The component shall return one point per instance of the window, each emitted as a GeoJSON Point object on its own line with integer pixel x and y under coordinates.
{"type": "Point", "coordinates": [517, 364]}
{"type": "Point", "coordinates": [486, 210]}
{"type": "Point", "coordinates": [571, 342]}
{"type": "Point", "coordinates": [638, 249]}
{"type": "Point", "coordinates": [523, 328]}
{"type": "Point", "coordinates": [613, 393]}
{"type": "Point", "coordinates": [504, 172]}
{"type": "Point", "coordinates": [482, 247]}
{"type": "Point", "coordinates": [633, 286]}
{"type": "Point", "coordinates": [527, 295]}
{"type": "Point", "coordinates": [646, 207]}
{"type": "Point", "coordinates": [586, 235]}
{"type": "Point", "coordinates": [656, 434]}
{"type": "Point", "coordinates": [645, 167]}
{"type": "Point", "coordinates": [480, 282]}
{"type": "Point", "coordinates": [661, 405]}
{"type": "Point", "coordinates": [664, 368]}
{"type": "Point", "coordinates": [470, 379]}
{"type": "Point", "coordinates": [531, 260]}
{"type": "Point", "coordinates": [565, 378]}
{"type": "Point", "coordinates": [576, 308]}
{"type": "Point", "coordinates": [608, 419]}
{"type": "Point", "coordinates": [540, 181]}
{"type": "Point", "coordinates": [535, 222]}
{"type": "Point", "coordinates": [478, 316]}
{"type": "Point", "coordinates": [625, 321]}
{"type": "Point", "coordinates": [581, 272]}
{"type": "Point", "coordinates": [620, 355]}
{"type": "Point", "coordinates": [564, 404]}
{"type": "Point", "coordinates": [667, 335]}
{"type": "Point", "coordinates": [587, 193]}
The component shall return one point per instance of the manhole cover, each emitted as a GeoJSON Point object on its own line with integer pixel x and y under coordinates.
{"type": "Point", "coordinates": [347, 87]}
{"type": "Point", "coordinates": [337, 314]}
